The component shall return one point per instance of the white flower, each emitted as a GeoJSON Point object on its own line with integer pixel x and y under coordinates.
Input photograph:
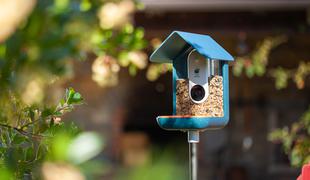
{"type": "Point", "coordinates": [112, 15]}
{"type": "Point", "coordinates": [57, 120]}
{"type": "Point", "coordinates": [105, 71]}
{"type": "Point", "coordinates": [138, 58]}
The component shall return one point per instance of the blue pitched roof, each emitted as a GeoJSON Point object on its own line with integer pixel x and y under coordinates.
{"type": "Point", "coordinates": [177, 41]}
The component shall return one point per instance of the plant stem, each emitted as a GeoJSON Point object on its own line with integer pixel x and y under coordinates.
{"type": "Point", "coordinates": [22, 132]}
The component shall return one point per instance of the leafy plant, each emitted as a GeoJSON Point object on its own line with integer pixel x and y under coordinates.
{"type": "Point", "coordinates": [24, 131]}
{"type": "Point", "coordinates": [298, 75]}
{"type": "Point", "coordinates": [256, 62]}
{"type": "Point", "coordinates": [296, 138]}
{"type": "Point", "coordinates": [58, 32]}
{"type": "Point", "coordinates": [39, 43]}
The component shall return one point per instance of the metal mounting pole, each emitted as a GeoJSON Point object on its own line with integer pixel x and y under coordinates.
{"type": "Point", "coordinates": [193, 139]}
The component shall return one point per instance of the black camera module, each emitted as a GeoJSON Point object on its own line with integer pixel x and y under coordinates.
{"type": "Point", "coordinates": [197, 93]}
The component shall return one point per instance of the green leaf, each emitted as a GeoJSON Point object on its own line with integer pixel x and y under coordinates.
{"type": "Point", "coordinates": [2, 50]}
{"type": "Point", "coordinates": [5, 173]}
{"type": "Point", "coordinates": [61, 6]}
{"type": "Point", "coordinates": [69, 95]}
{"type": "Point", "coordinates": [132, 70]}
{"type": "Point", "coordinates": [123, 59]}
{"type": "Point", "coordinates": [58, 113]}
{"type": "Point", "coordinates": [250, 71]}
{"type": "Point", "coordinates": [77, 98]}
{"type": "Point", "coordinates": [62, 102]}
{"type": "Point", "coordinates": [139, 33]}
{"type": "Point", "coordinates": [296, 159]}
{"type": "Point", "coordinates": [128, 28]}
{"type": "Point", "coordinates": [59, 149]}
{"type": "Point", "coordinates": [47, 112]}
{"type": "Point", "coordinates": [73, 97]}
{"type": "Point", "coordinates": [281, 76]}
{"type": "Point", "coordinates": [260, 69]}
{"type": "Point", "coordinates": [17, 140]}
{"type": "Point", "coordinates": [31, 114]}
{"type": "Point", "coordinates": [85, 5]}
{"type": "Point", "coordinates": [139, 5]}
{"type": "Point", "coordinates": [96, 38]}
{"type": "Point", "coordinates": [238, 66]}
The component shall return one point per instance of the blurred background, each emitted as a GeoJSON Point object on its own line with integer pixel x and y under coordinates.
{"type": "Point", "coordinates": [101, 49]}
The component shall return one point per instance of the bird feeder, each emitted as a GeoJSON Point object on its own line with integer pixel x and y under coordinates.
{"type": "Point", "coordinates": [200, 86]}
{"type": "Point", "coordinates": [200, 82]}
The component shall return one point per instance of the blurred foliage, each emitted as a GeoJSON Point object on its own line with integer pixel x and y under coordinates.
{"type": "Point", "coordinates": [39, 42]}
{"type": "Point", "coordinates": [298, 75]}
{"type": "Point", "coordinates": [162, 165]}
{"type": "Point", "coordinates": [70, 155]}
{"type": "Point", "coordinates": [256, 63]}
{"type": "Point", "coordinates": [155, 70]}
{"type": "Point", "coordinates": [58, 32]}
{"type": "Point", "coordinates": [32, 134]}
{"type": "Point", "coordinates": [295, 139]}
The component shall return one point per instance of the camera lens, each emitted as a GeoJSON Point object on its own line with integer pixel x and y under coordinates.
{"type": "Point", "coordinates": [197, 93]}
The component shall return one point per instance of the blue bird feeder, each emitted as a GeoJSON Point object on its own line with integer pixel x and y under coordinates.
{"type": "Point", "coordinates": [200, 86]}
{"type": "Point", "coordinates": [176, 49]}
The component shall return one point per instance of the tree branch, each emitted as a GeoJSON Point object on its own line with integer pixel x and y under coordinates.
{"type": "Point", "coordinates": [22, 132]}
